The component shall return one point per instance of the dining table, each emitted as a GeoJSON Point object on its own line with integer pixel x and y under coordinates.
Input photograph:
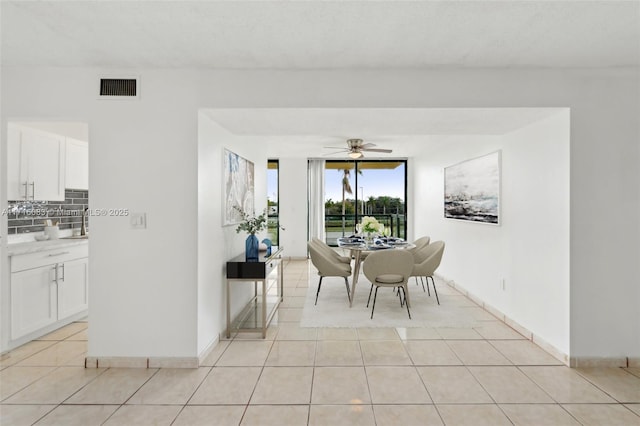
{"type": "Point", "coordinates": [358, 246]}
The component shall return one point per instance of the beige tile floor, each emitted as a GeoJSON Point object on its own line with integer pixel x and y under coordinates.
{"type": "Point", "coordinates": [300, 376]}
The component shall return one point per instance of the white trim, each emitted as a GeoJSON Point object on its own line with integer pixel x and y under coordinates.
{"type": "Point", "coordinates": [587, 362]}
{"type": "Point", "coordinates": [210, 347]}
{"type": "Point", "coordinates": [140, 362]}
{"type": "Point", "coordinates": [544, 345]}
{"type": "Point", "coordinates": [315, 194]}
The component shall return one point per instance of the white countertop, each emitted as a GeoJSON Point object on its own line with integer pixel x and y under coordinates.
{"type": "Point", "coordinates": [36, 246]}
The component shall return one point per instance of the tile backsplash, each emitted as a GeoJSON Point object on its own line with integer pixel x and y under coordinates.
{"type": "Point", "coordinates": [29, 216]}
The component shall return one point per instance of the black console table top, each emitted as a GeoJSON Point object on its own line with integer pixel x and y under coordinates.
{"type": "Point", "coordinates": [239, 267]}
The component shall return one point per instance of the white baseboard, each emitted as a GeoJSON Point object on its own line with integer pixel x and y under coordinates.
{"type": "Point", "coordinates": [150, 362]}
{"type": "Point", "coordinates": [550, 349]}
{"type": "Point", "coordinates": [205, 353]}
{"type": "Point", "coordinates": [528, 334]}
{"type": "Point", "coordinates": [574, 362]}
{"type": "Point", "coordinates": [517, 327]}
{"type": "Point", "coordinates": [587, 362]}
{"type": "Point", "coordinates": [140, 362]}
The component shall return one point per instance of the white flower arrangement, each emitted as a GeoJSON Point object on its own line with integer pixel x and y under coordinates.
{"type": "Point", "coordinates": [370, 225]}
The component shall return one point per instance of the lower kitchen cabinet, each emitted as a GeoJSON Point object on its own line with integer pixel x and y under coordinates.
{"type": "Point", "coordinates": [34, 300]}
{"type": "Point", "coordinates": [48, 287]}
{"type": "Point", "coordinates": [73, 286]}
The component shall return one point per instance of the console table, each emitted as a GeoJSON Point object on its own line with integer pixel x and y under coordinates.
{"type": "Point", "coordinates": [260, 310]}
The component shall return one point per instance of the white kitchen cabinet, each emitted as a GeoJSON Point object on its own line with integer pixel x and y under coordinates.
{"type": "Point", "coordinates": [48, 287]}
{"type": "Point", "coordinates": [73, 287]}
{"type": "Point", "coordinates": [36, 164]}
{"type": "Point", "coordinates": [77, 164]}
{"type": "Point", "coordinates": [34, 302]}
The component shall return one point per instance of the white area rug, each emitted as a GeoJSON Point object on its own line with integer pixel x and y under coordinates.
{"type": "Point", "coordinates": [332, 310]}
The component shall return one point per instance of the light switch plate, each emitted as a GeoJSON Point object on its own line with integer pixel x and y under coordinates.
{"type": "Point", "coordinates": [138, 220]}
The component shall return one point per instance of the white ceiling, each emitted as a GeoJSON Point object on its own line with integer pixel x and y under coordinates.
{"type": "Point", "coordinates": [304, 132]}
{"type": "Point", "coordinates": [302, 34]}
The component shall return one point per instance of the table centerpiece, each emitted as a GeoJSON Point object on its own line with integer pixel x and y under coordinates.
{"type": "Point", "coordinates": [370, 227]}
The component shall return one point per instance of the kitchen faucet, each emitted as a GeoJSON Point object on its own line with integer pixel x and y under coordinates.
{"type": "Point", "coordinates": [83, 228]}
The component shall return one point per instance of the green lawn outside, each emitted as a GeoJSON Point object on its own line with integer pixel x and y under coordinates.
{"type": "Point", "coordinates": [333, 227]}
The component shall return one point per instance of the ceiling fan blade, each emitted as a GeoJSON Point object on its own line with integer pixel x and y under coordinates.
{"type": "Point", "coordinates": [368, 145]}
{"type": "Point", "coordinates": [336, 152]}
{"type": "Point", "coordinates": [377, 150]}
{"type": "Point", "coordinates": [336, 147]}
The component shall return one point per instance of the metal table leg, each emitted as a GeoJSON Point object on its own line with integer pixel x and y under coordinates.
{"type": "Point", "coordinates": [356, 272]}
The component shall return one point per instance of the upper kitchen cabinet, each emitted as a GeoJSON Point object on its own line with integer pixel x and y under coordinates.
{"type": "Point", "coordinates": [36, 164]}
{"type": "Point", "coordinates": [77, 164]}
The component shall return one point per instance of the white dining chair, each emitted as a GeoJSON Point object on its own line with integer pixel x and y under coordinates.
{"type": "Point", "coordinates": [328, 266]}
{"type": "Point", "coordinates": [325, 248]}
{"type": "Point", "coordinates": [427, 261]}
{"type": "Point", "coordinates": [389, 268]}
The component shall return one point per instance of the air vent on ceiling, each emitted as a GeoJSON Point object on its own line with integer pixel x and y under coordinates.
{"type": "Point", "coordinates": [118, 87]}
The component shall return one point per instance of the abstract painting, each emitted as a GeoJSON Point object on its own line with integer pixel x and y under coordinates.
{"type": "Point", "coordinates": [472, 189]}
{"type": "Point", "coordinates": [238, 187]}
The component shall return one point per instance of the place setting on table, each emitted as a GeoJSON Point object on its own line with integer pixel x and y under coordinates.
{"type": "Point", "coordinates": [376, 243]}
{"type": "Point", "coordinates": [371, 235]}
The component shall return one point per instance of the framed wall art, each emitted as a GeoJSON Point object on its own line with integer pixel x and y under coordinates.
{"type": "Point", "coordinates": [238, 187]}
{"type": "Point", "coordinates": [472, 189]}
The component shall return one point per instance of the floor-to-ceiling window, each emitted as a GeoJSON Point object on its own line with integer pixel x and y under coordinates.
{"type": "Point", "coordinates": [354, 189]}
{"type": "Point", "coordinates": [272, 201]}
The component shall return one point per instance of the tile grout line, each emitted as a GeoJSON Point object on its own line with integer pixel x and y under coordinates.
{"type": "Point", "coordinates": [55, 368]}
{"type": "Point", "coordinates": [364, 366]}
{"type": "Point", "coordinates": [598, 387]}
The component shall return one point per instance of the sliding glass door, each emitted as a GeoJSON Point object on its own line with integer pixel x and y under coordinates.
{"type": "Point", "coordinates": [272, 201]}
{"type": "Point", "coordinates": [354, 189]}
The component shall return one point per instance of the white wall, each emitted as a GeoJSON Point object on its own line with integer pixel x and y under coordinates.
{"type": "Point", "coordinates": [217, 243]}
{"type": "Point", "coordinates": [144, 156]}
{"type": "Point", "coordinates": [78, 131]}
{"type": "Point", "coordinates": [530, 249]}
{"type": "Point", "coordinates": [293, 206]}
{"type": "Point", "coordinates": [538, 203]}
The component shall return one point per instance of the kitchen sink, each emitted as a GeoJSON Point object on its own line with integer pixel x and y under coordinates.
{"type": "Point", "coordinates": [76, 237]}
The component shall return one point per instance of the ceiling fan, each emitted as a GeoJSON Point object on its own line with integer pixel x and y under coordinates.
{"type": "Point", "coordinates": [356, 147]}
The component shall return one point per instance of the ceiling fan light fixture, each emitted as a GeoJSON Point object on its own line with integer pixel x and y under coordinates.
{"type": "Point", "coordinates": [355, 154]}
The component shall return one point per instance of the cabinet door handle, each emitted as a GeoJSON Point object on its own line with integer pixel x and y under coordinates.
{"type": "Point", "coordinates": [33, 190]}
{"type": "Point", "coordinates": [26, 190]}
{"type": "Point", "coordinates": [55, 275]}
{"type": "Point", "coordinates": [58, 254]}
{"type": "Point", "coordinates": [63, 273]}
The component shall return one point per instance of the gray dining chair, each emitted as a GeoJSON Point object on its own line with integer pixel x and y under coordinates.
{"type": "Point", "coordinates": [328, 266]}
{"type": "Point", "coordinates": [325, 248]}
{"type": "Point", "coordinates": [389, 268]}
{"type": "Point", "coordinates": [427, 261]}
{"type": "Point", "coordinates": [419, 243]}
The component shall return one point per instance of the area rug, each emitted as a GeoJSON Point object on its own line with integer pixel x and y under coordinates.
{"type": "Point", "coordinates": [332, 310]}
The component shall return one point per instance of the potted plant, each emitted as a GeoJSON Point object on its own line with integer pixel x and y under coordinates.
{"type": "Point", "coordinates": [252, 224]}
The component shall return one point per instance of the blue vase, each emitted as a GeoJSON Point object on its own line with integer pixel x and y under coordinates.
{"type": "Point", "coordinates": [252, 246]}
{"type": "Point", "coordinates": [267, 242]}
